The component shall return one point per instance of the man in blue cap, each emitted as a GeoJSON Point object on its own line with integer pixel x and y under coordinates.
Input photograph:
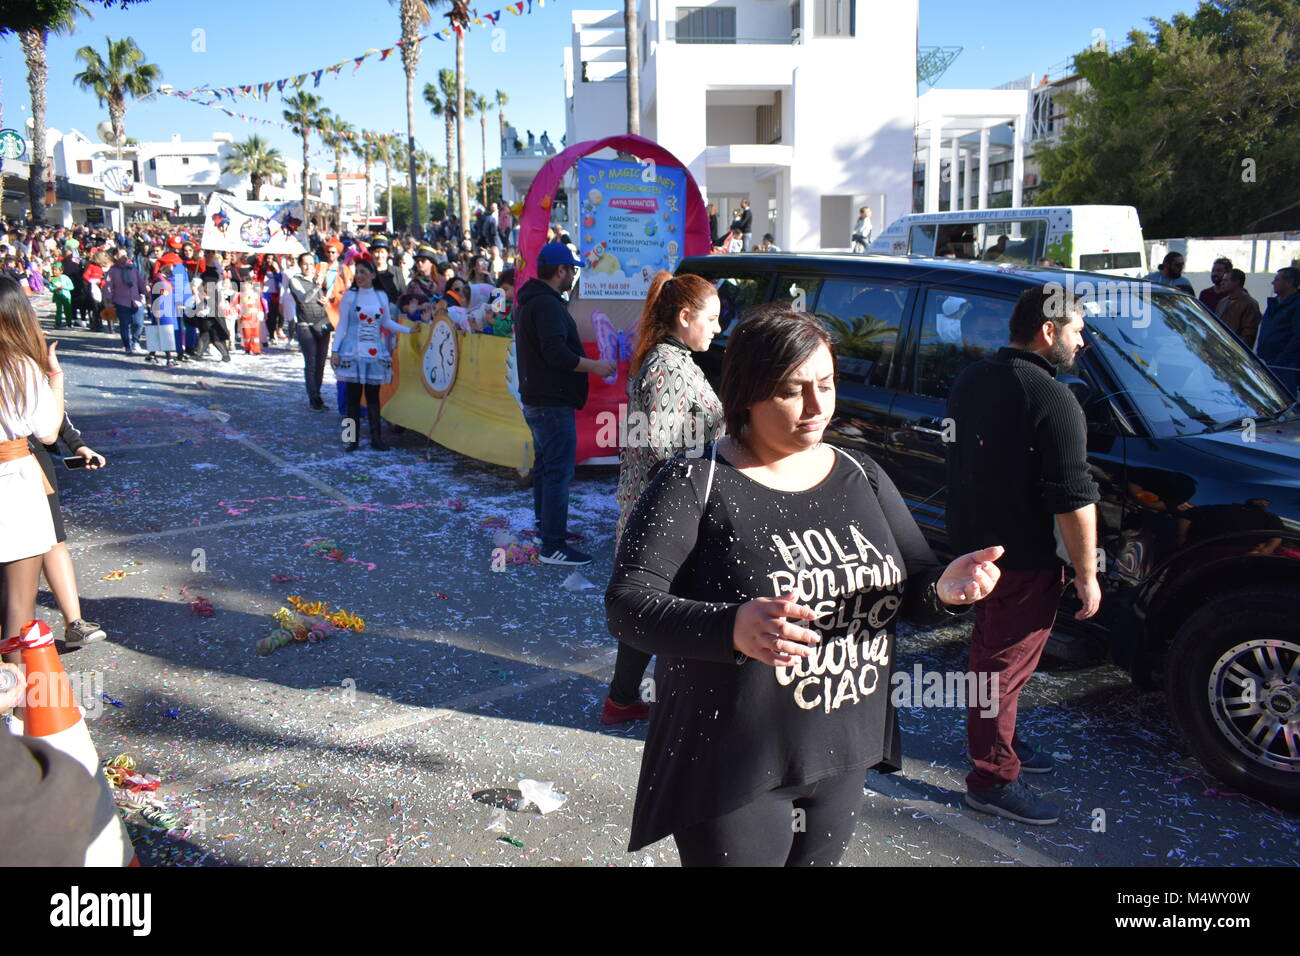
{"type": "Point", "coordinates": [553, 372]}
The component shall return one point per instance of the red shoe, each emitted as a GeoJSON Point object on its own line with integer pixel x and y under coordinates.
{"type": "Point", "coordinates": [615, 714]}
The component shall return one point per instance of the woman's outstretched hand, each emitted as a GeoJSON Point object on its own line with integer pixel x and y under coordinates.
{"type": "Point", "coordinates": [970, 578]}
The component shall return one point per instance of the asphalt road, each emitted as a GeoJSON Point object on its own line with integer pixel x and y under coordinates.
{"type": "Point", "coordinates": [402, 744]}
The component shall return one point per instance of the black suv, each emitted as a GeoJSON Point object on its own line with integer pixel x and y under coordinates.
{"type": "Point", "coordinates": [1194, 444]}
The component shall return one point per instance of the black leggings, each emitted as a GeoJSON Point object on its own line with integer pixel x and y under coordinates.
{"type": "Point", "coordinates": [769, 831]}
{"type": "Point", "coordinates": [629, 669]}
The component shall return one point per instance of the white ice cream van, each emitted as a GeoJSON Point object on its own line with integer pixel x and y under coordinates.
{"type": "Point", "coordinates": [1092, 238]}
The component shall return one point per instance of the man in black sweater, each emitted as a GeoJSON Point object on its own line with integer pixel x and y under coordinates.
{"type": "Point", "coordinates": [552, 385]}
{"type": "Point", "coordinates": [1019, 463]}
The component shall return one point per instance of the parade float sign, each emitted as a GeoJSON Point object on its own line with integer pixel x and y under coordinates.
{"type": "Point", "coordinates": [632, 225]}
{"type": "Point", "coordinates": [460, 388]}
{"type": "Point", "coordinates": [239, 225]}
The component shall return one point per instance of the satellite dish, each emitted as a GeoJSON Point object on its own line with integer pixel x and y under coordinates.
{"type": "Point", "coordinates": [105, 131]}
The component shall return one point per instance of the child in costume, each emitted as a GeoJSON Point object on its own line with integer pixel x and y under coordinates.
{"type": "Point", "coordinates": [61, 288]}
{"type": "Point", "coordinates": [360, 356]}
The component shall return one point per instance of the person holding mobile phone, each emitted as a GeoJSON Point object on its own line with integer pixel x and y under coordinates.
{"type": "Point", "coordinates": [60, 574]}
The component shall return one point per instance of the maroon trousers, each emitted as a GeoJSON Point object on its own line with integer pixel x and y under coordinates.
{"type": "Point", "coordinates": [1011, 628]}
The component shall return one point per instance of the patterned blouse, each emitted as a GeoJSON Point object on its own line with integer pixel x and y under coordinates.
{"type": "Point", "coordinates": [671, 409]}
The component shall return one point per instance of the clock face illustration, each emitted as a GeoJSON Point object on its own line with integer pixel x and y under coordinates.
{"type": "Point", "coordinates": [441, 357]}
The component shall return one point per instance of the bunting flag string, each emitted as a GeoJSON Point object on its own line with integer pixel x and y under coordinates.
{"type": "Point", "coordinates": [364, 135]}
{"type": "Point", "coordinates": [261, 91]}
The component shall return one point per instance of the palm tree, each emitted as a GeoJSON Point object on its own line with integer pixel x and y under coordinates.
{"type": "Point", "coordinates": [436, 173]}
{"type": "Point", "coordinates": [306, 112]}
{"type": "Point", "coordinates": [257, 160]}
{"type": "Point", "coordinates": [337, 132]}
{"type": "Point", "coordinates": [365, 149]}
{"type": "Point", "coordinates": [480, 106]}
{"type": "Point", "coordinates": [415, 17]}
{"type": "Point", "coordinates": [632, 60]}
{"type": "Point", "coordinates": [502, 100]}
{"type": "Point", "coordinates": [442, 102]}
{"type": "Point", "coordinates": [124, 73]}
{"type": "Point", "coordinates": [460, 18]}
{"type": "Point", "coordinates": [33, 42]}
{"type": "Point", "coordinates": [384, 154]}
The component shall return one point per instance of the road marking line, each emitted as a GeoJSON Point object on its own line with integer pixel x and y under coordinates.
{"type": "Point", "coordinates": [83, 544]}
{"type": "Point", "coordinates": [295, 470]}
{"type": "Point", "coordinates": [388, 725]}
{"type": "Point", "coordinates": [907, 790]}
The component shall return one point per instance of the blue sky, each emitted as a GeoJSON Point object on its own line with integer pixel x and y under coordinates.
{"type": "Point", "coordinates": [248, 42]}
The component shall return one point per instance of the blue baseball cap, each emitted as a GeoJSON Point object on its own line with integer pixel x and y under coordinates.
{"type": "Point", "coordinates": [557, 254]}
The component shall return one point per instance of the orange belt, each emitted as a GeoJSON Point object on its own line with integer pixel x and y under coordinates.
{"type": "Point", "coordinates": [16, 449]}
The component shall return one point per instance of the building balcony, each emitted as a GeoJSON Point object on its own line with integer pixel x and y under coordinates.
{"type": "Point", "coordinates": [749, 154]}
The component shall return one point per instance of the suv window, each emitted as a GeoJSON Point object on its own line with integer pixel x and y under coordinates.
{"type": "Point", "coordinates": [791, 289]}
{"type": "Point", "coordinates": [957, 328]}
{"type": "Point", "coordinates": [736, 297]}
{"type": "Point", "coordinates": [864, 319]}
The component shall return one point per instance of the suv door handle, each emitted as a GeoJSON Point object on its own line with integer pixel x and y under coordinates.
{"type": "Point", "coordinates": [934, 432]}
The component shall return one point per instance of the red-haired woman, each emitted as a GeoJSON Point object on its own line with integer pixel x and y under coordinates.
{"type": "Point", "coordinates": [671, 409]}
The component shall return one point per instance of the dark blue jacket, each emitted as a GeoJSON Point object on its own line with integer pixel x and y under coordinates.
{"type": "Point", "coordinates": [1279, 338]}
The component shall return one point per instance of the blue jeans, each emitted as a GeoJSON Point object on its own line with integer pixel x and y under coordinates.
{"type": "Point", "coordinates": [130, 323]}
{"type": "Point", "coordinates": [555, 445]}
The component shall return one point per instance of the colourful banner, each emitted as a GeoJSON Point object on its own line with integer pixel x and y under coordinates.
{"type": "Point", "coordinates": [237, 225]}
{"type": "Point", "coordinates": [631, 226]}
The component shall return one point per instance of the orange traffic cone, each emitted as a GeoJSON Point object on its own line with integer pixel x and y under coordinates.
{"type": "Point", "coordinates": [51, 713]}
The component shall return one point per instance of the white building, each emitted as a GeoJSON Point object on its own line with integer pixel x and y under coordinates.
{"type": "Point", "coordinates": [804, 108]}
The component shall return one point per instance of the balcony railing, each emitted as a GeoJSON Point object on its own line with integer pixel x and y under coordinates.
{"type": "Point", "coordinates": [769, 41]}
{"type": "Point", "coordinates": [519, 148]}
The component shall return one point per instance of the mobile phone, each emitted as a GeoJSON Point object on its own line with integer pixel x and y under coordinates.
{"type": "Point", "coordinates": [74, 461]}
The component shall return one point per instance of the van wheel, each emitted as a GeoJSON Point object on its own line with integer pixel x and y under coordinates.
{"type": "Point", "coordinates": [1233, 681]}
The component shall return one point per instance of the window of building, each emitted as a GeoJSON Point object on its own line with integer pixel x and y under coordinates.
{"type": "Point", "coordinates": [645, 44]}
{"type": "Point", "coordinates": [83, 167]}
{"type": "Point", "coordinates": [863, 319]}
{"type": "Point", "coordinates": [768, 121]}
{"type": "Point", "coordinates": [706, 24]}
{"type": "Point", "coordinates": [796, 15]}
{"type": "Point", "coordinates": [835, 18]}
{"type": "Point", "coordinates": [191, 199]}
{"type": "Point", "coordinates": [185, 160]}
{"type": "Point", "coordinates": [957, 328]}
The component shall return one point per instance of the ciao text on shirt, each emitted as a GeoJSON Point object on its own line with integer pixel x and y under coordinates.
{"type": "Point", "coordinates": [836, 582]}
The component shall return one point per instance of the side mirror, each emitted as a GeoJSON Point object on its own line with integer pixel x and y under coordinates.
{"type": "Point", "coordinates": [1081, 390]}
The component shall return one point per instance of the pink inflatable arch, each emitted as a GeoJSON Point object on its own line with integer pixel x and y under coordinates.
{"type": "Point", "coordinates": [603, 398]}
{"type": "Point", "coordinates": [541, 194]}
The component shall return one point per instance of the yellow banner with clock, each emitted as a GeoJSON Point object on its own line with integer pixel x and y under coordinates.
{"type": "Point", "coordinates": [452, 386]}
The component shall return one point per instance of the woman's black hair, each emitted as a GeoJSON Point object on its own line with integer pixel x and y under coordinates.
{"type": "Point", "coordinates": [767, 345]}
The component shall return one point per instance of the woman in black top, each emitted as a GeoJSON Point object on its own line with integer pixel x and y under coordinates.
{"type": "Point", "coordinates": [763, 728]}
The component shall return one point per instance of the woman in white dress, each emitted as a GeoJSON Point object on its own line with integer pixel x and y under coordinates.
{"type": "Point", "coordinates": [31, 403]}
{"type": "Point", "coordinates": [361, 356]}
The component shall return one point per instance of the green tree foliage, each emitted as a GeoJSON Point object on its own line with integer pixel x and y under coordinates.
{"type": "Point", "coordinates": [19, 15]}
{"type": "Point", "coordinates": [1197, 124]}
{"type": "Point", "coordinates": [401, 206]}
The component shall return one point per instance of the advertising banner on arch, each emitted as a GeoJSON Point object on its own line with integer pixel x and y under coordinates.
{"type": "Point", "coordinates": [631, 225]}
{"type": "Point", "coordinates": [239, 225]}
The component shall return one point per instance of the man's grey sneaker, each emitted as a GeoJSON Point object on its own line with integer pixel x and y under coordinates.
{"type": "Point", "coordinates": [1033, 761]}
{"type": "Point", "coordinates": [78, 633]}
{"type": "Point", "coordinates": [570, 556]}
{"type": "Point", "coordinates": [1015, 801]}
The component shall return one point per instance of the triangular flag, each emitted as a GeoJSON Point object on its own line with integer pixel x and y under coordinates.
{"type": "Point", "coordinates": [317, 74]}
{"type": "Point", "coordinates": [383, 54]}
{"type": "Point", "coordinates": [280, 85]}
